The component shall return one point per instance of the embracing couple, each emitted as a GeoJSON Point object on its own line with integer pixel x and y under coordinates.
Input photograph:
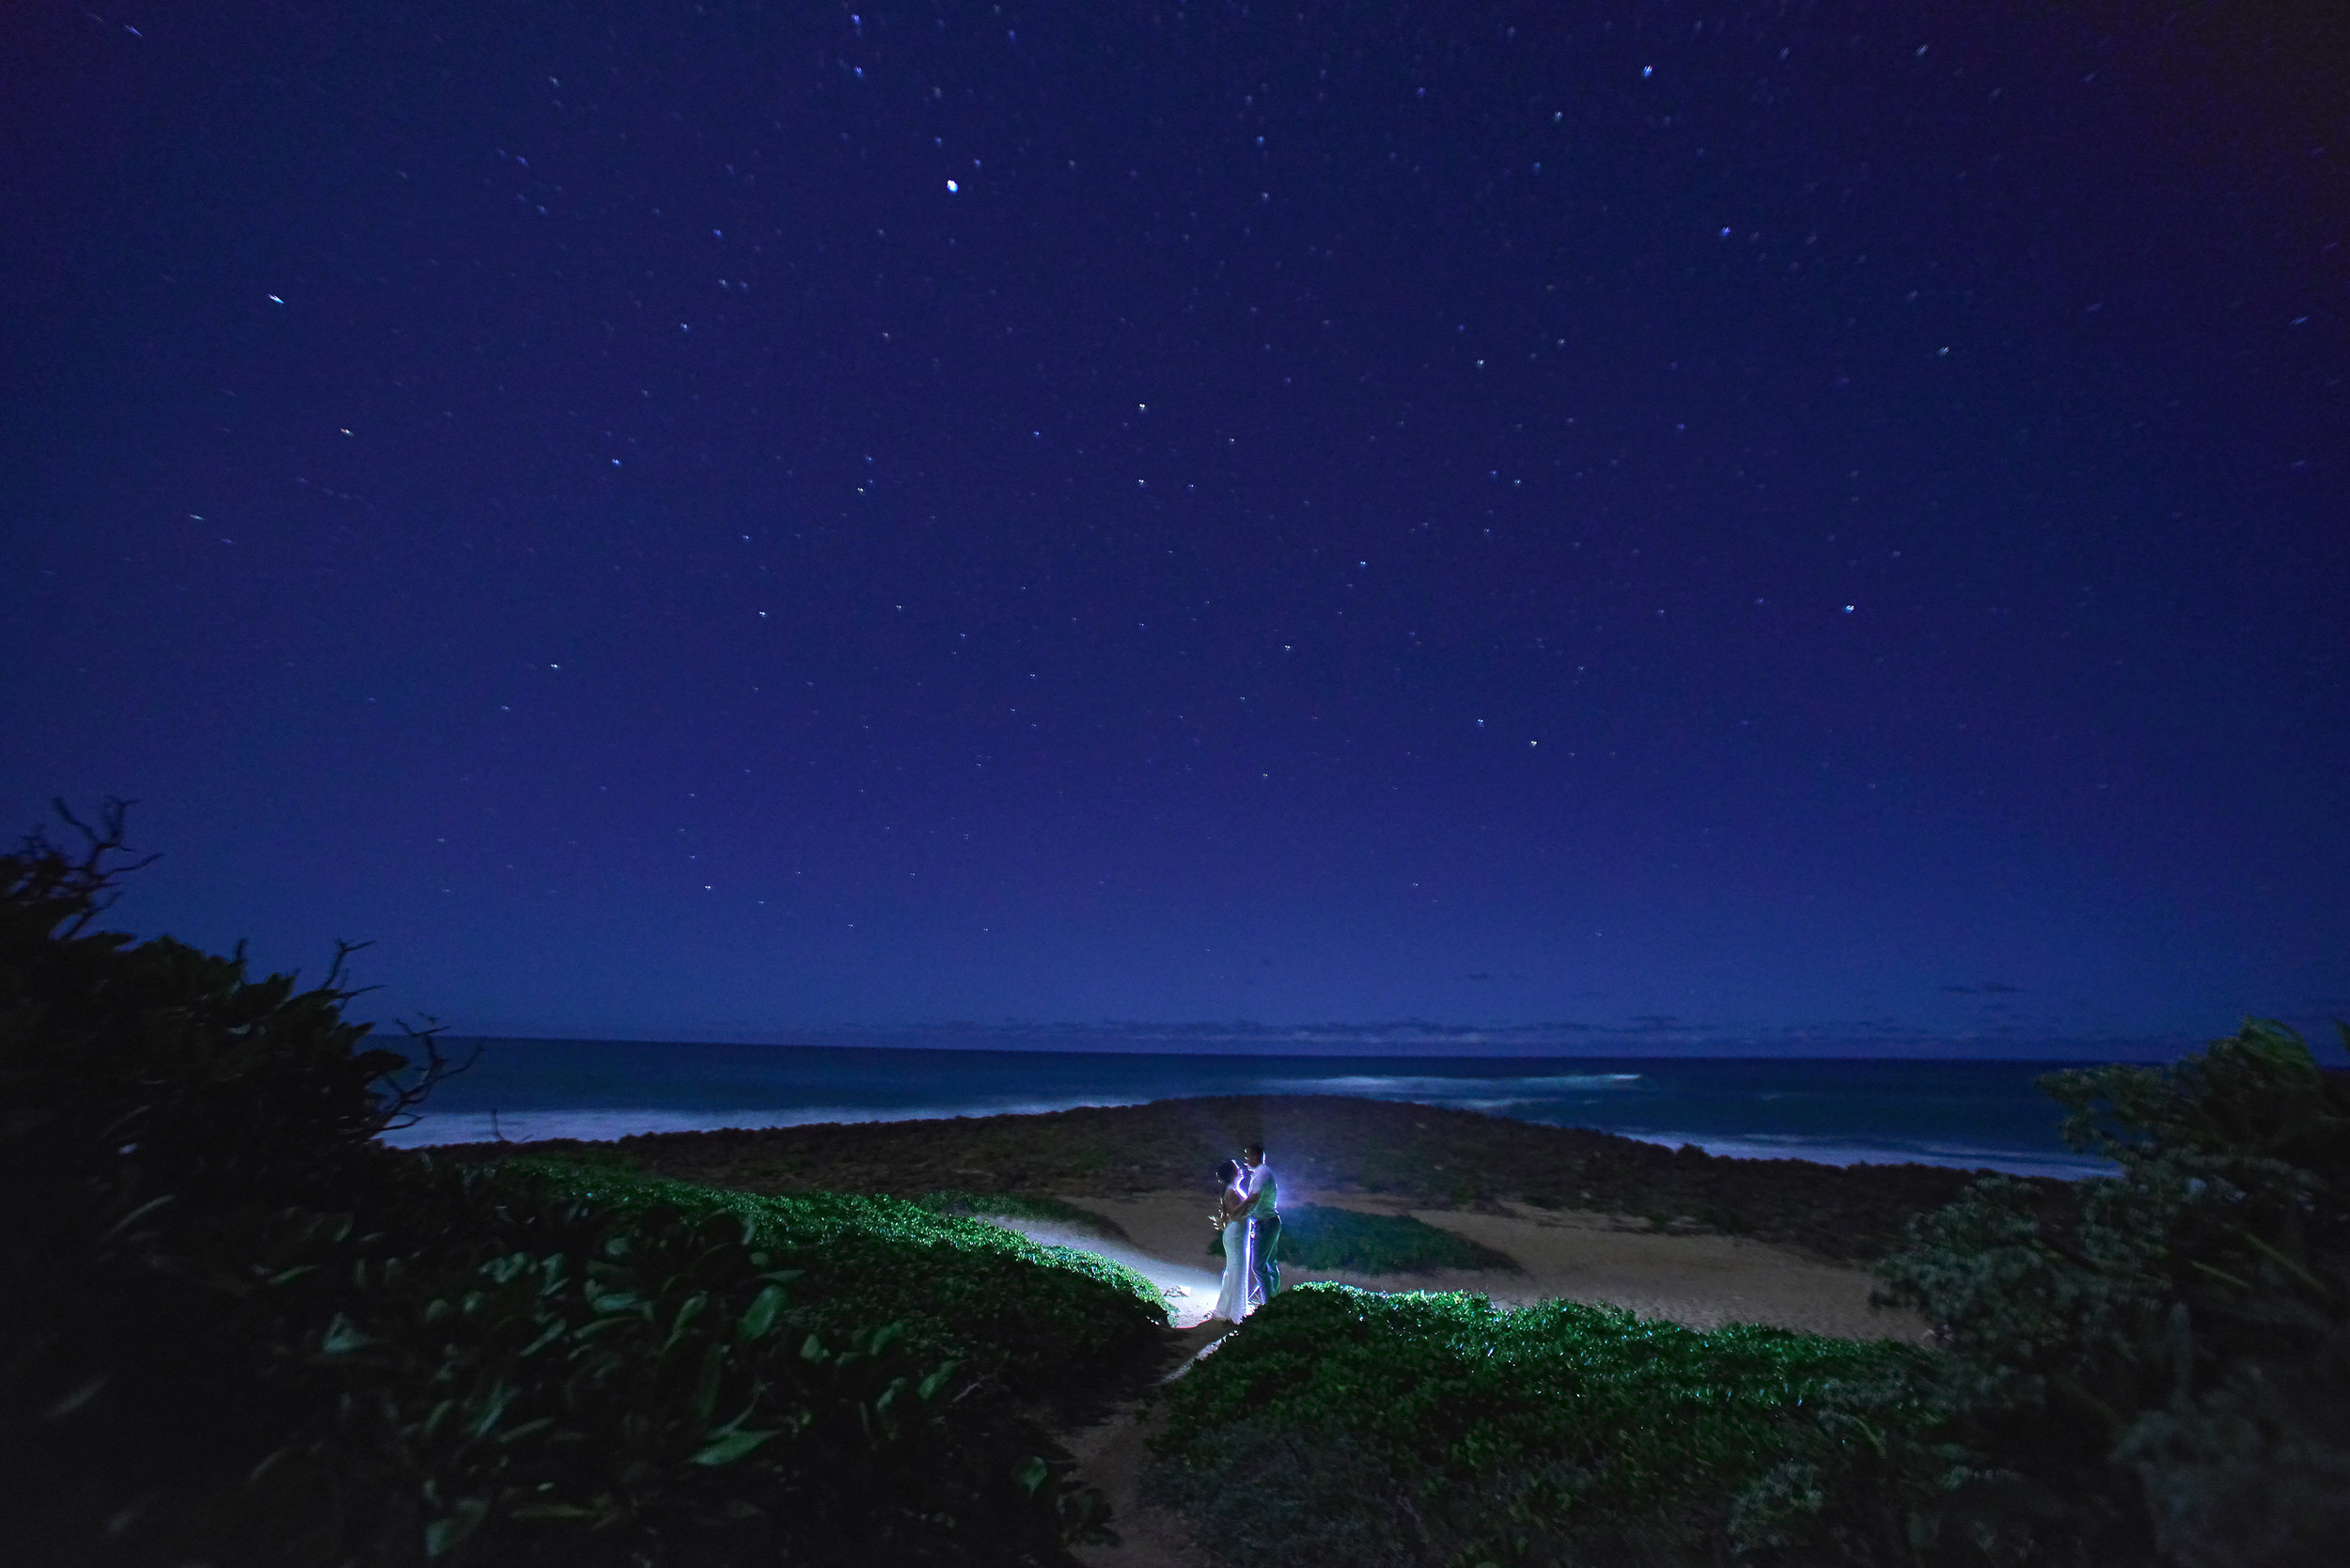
{"type": "Point", "coordinates": [1248, 1216]}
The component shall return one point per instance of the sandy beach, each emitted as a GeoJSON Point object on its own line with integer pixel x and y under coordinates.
{"type": "Point", "coordinates": [1700, 1280]}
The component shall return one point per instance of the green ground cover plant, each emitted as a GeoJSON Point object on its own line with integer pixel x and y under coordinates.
{"type": "Point", "coordinates": [1347, 1427]}
{"type": "Point", "coordinates": [1051, 1323]}
{"type": "Point", "coordinates": [1316, 1236]}
{"type": "Point", "coordinates": [240, 1331]}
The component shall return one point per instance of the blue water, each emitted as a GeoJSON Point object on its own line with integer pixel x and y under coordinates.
{"type": "Point", "coordinates": [1968, 1114]}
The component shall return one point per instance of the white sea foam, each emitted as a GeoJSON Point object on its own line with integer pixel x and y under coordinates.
{"type": "Point", "coordinates": [1443, 1090]}
{"type": "Point", "coordinates": [1763, 1146]}
{"type": "Point", "coordinates": [601, 1123]}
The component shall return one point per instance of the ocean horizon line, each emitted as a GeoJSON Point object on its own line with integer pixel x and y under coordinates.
{"type": "Point", "coordinates": [1400, 1042]}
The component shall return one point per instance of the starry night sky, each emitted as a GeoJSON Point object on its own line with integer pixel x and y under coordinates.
{"type": "Point", "coordinates": [1767, 525]}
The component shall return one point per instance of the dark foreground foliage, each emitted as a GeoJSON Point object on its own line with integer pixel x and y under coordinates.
{"type": "Point", "coordinates": [238, 1331]}
{"type": "Point", "coordinates": [1333, 1241]}
{"type": "Point", "coordinates": [2167, 1380]}
{"type": "Point", "coordinates": [1347, 1428]}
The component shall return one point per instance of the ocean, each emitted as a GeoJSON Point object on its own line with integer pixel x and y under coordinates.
{"type": "Point", "coordinates": [1967, 1114]}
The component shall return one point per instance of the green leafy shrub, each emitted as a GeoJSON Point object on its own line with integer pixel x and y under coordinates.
{"type": "Point", "coordinates": [1051, 1323]}
{"type": "Point", "coordinates": [241, 1332]}
{"type": "Point", "coordinates": [2165, 1379]}
{"type": "Point", "coordinates": [1315, 1236]}
{"type": "Point", "coordinates": [1346, 1426]}
{"type": "Point", "coordinates": [495, 1375]}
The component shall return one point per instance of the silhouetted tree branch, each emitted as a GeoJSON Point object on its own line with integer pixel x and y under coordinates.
{"type": "Point", "coordinates": [44, 874]}
{"type": "Point", "coordinates": [401, 1100]}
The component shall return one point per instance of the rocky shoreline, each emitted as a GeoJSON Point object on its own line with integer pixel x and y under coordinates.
{"type": "Point", "coordinates": [1337, 1145]}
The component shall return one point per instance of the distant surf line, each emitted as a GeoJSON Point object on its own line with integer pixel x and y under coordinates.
{"type": "Point", "coordinates": [1372, 1086]}
{"type": "Point", "coordinates": [602, 1124]}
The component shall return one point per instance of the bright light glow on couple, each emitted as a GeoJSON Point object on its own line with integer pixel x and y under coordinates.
{"type": "Point", "coordinates": [1248, 1218]}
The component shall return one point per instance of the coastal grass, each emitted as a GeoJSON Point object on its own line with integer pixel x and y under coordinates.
{"type": "Point", "coordinates": [1349, 1427]}
{"type": "Point", "coordinates": [1327, 1239]}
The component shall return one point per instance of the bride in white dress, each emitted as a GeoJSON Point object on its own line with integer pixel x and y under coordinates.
{"type": "Point", "coordinates": [1232, 1303]}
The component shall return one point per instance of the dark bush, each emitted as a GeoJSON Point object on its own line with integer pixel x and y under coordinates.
{"type": "Point", "coordinates": [1342, 1426]}
{"type": "Point", "coordinates": [238, 1331]}
{"type": "Point", "coordinates": [2167, 1379]}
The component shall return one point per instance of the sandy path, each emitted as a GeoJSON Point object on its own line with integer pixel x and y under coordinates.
{"type": "Point", "coordinates": [1704, 1282]}
{"type": "Point", "coordinates": [1112, 1455]}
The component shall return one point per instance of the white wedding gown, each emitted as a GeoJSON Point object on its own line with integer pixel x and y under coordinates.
{"type": "Point", "coordinates": [1232, 1303]}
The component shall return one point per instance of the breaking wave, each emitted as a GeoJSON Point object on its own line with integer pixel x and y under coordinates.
{"type": "Point", "coordinates": [1762, 1146]}
{"type": "Point", "coordinates": [601, 1123]}
{"type": "Point", "coordinates": [1444, 1091]}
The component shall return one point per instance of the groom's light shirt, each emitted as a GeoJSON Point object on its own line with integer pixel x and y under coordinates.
{"type": "Point", "coordinates": [1264, 1193]}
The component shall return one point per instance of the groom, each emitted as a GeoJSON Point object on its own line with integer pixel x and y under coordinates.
{"type": "Point", "coordinates": [1264, 1209]}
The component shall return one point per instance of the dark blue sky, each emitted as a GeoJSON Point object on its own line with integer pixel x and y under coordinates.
{"type": "Point", "coordinates": [1784, 524]}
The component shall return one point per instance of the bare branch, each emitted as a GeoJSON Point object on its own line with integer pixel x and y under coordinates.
{"type": "Point", "coordinates": [335, 971]}
{"type": "Point", "coordinates": [403, 1099]}
{"type": "Point", "coordinates": [80, 886]}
